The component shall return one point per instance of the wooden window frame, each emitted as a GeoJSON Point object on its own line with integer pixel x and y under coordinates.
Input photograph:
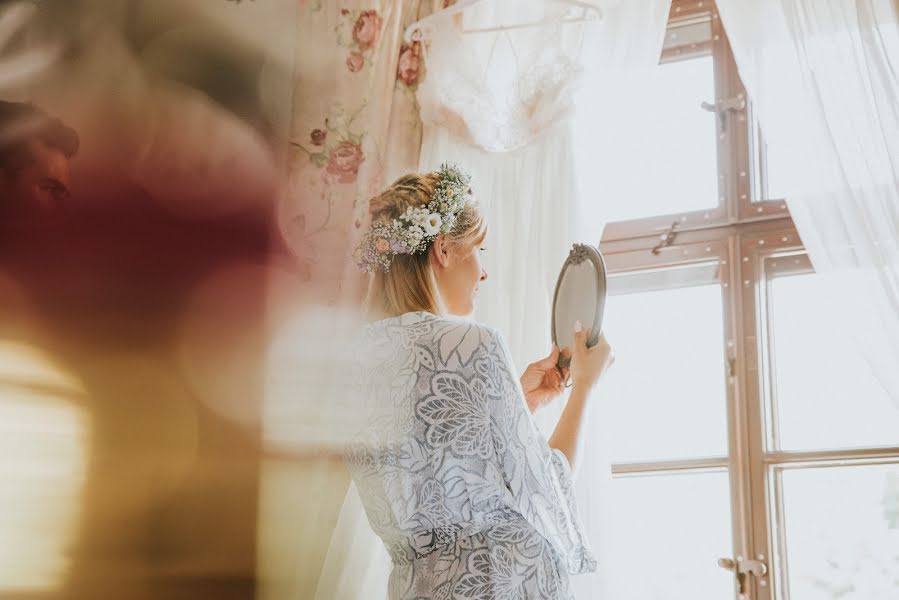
{"type": "Point", "coordinates": [767, 461]}
{"type": "Point", "coordinates": [741, 233]}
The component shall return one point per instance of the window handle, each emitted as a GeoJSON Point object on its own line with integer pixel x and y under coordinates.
{"type": "Point", "coordinates": [722, 107]}
{"type": "Point", "coordinates": [741, 568]}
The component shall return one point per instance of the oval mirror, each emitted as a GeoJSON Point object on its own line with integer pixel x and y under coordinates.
{"type": "Point", "coordinates": [580, 296]}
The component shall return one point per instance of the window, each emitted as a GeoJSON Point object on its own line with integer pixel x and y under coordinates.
{"type": "Point", "coordinates": [740, 433]}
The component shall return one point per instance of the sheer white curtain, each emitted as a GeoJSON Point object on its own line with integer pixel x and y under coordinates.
{"type": "Point", "coordinates": [823, 78]}
{"type": "Point", "coordinates": [501, 104]}
{"type": "Point", "coordinates": [357, 564]}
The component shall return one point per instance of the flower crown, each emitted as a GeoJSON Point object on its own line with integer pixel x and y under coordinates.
{"type": "Point", "coordinates": [416, 228]}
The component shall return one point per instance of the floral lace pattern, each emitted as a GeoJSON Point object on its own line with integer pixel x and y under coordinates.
{"type": "Point", "coordinates": [455, 478]}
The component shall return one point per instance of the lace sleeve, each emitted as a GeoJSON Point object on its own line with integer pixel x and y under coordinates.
{"type": "Point", "coordinates": [538, 476]}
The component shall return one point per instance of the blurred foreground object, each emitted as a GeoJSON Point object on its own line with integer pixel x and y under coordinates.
{"type": "Point", "coordinates": [135, 323]}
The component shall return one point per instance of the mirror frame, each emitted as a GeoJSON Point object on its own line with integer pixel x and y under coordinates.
{"type": "Point", "coordinates": [578, 254]}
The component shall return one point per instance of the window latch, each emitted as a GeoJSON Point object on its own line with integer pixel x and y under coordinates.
{"type": "Point", "coordinates": [667, 239]}
{"type": "Point", "coordinates": [741, 568]}
{"type": "Point", "coordinates": [723, 107]}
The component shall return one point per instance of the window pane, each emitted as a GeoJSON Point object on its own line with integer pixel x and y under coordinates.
{"type": "Point", "coordinates": [842, 532]}
{"type": "Point", "coordinates": [666, 391]}
{"type": "Point", "coordinates": [826, 395]}
{"type": "Point", "coordinates": [666, 536]}
{"type": "Point", "coordinates": [664, 157]}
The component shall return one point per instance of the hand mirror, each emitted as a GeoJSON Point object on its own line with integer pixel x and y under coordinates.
{"type": "Point", "coordinates": [580, 296]}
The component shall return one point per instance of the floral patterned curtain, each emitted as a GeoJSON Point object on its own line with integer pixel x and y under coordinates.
{"type": "Point", "coordinates": [355, 128]}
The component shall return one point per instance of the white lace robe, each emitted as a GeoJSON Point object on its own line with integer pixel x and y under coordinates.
{"type": "Point", "coordinates": [455, 478]}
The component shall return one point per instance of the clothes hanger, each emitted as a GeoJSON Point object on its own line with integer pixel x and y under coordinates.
{"type": "Point", "coordinates": [423, 24]}
{"type": "Point", "coordinates": [591, 13]}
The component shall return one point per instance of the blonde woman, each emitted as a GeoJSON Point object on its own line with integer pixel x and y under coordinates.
{"type": "Point", "coordinates": [468, 497]}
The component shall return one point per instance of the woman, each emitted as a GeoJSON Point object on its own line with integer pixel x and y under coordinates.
{"type": "Point", "coordinates": [468, 497]}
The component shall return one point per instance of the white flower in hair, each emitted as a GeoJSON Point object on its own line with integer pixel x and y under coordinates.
{"type": "Point", "coordinates": [432, 224]}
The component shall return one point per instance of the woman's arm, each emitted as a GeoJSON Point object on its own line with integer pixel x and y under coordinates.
{"type": "Point", "coordinates": [587, 366]}
{"type": "Point", "coordinates": [568, 434]}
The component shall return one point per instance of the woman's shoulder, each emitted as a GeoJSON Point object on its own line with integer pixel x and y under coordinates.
{"type": "Point", "coordinates": [454, 341]}
{"type": "Point", "coordinates": [423, 320]}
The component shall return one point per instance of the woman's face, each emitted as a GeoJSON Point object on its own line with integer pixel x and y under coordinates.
{"type": "Point", "coordinates": [459, 276]}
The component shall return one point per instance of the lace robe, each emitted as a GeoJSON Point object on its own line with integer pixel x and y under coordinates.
{"type": "Point", "coordinates": [455, 478]}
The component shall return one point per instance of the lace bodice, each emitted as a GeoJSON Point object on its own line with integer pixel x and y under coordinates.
{"type": "Point", "coordinates": [498, 90]}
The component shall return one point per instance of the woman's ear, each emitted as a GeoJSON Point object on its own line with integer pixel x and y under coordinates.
{"type": "Point", "coordinates": [440, 250]}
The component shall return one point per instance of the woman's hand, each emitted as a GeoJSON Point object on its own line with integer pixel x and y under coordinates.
{"type": "Point", "coordinates": [589, 364]}
{"type": "Point", "coordinates": [543, 382]}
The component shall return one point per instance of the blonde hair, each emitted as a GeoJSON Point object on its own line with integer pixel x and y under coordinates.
{"type": "Point", "coordinates": [410, 284]}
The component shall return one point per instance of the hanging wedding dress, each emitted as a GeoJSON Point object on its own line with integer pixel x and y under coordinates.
{"type": "Point", "coordinates": [499, 90]}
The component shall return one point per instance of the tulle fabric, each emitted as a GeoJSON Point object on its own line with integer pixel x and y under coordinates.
{"type": "Point", "coordinates": [822, 78]}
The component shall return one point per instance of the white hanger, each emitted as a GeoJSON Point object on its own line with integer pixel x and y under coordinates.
{"type": "Point", "coordinates": [591, 12]}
